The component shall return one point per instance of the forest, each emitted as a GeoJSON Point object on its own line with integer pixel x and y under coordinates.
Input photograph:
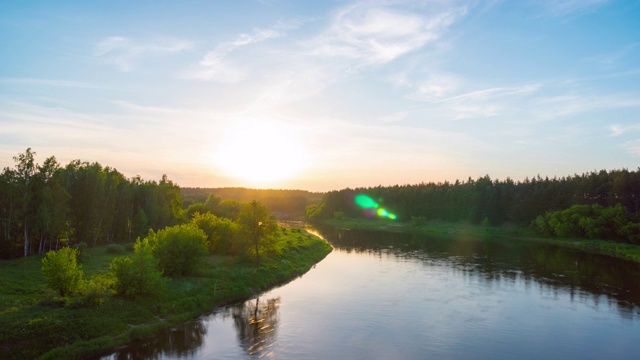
{"type": "Point", "coordinates": [282, 203]}
{"type": "Point", "coordinates": [46, 206]}
{"type": "Point", "coordinates": [607, 197]}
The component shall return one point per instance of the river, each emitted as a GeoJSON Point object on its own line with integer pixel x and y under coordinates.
{"type": "Point", "coordinates": [399, 296]}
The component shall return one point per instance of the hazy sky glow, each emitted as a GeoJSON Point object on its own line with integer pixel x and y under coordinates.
{"type": "Point", "coordinates": [330, 94]}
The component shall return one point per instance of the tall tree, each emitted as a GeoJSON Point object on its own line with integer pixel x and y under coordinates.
{"type": "Point", "coordinates": [25, 169]}
{"type": "Point", "coordinates": [257, 225]}
{"type": "Point", "coordinates": [9, 202]}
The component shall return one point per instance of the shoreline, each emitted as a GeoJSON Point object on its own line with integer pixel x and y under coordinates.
{"type": "Point", "coordinates": [621, 251]}
{"type": "Point", "coordinates": [37, 330]}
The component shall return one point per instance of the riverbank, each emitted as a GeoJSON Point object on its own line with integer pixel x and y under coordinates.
{"type": "Point", "coordinates": [437, 228]}
{"type": "Point", "coordinates": [33, 325]}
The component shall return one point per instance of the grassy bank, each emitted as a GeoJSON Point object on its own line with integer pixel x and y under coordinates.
{"type": "Point", "coordinates": [436, 228]}
{"type": "Point", "coordinates": [34, 325]}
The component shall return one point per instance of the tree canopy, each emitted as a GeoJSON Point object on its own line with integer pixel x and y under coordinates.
{"type": "Point", "coordinates": [45, 206]}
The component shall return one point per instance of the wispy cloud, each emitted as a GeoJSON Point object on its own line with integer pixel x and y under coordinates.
{"type": "Point", "coordinates": [124, 52]}
{"type": "Point", "coordinates": [373, 34]}
{"type": "Point", "coordinates": [435, 87]}
{"type": "Point", "coordinates": [612, 59]}
{"type": "Point", "coordinates": [552, 107]}
{"type": "Point", "coordinates": [616, 130]}
{"type": "Point", "coordinates": [50, 82]}
{"type": "Point", "coordinates": [632, 147]}
{"type": "Point", "coordinates": [215, 65]}
{"type": "Point", "coordinates": [496, 92]}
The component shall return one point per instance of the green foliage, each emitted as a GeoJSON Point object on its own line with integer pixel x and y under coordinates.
{"type": "Point", "coordinates": [115, 249]}
{"type": "Point", "coordinates": [256, 227]}
{"type": "Point", "coordinates": [46, 204]}
{"type": "Point", "coordinates": [585, 221]}
{"type": "Point", "coordinates": [138, 274]}
{"type": "Point", "coordinates": [221, 233]}
{"type": "Point", "coordinates": [82, 250]}
{"type": "Point", "coordinates": [502, 201]}
{"type": "Point", "coordinates": [62, 272]}
{"type": "Point", "coordinates": [93, 292]}
{"type": "Point", "coordinates": [314, 212]}
{"type": "Point", "coordinates": [179, 249]}
{"type": "Point", "coordinates": [632, 232]}
{"type": "Point", "coordinates": [229, 209]}
{"type": "Point", "coordinates": [36, 325]}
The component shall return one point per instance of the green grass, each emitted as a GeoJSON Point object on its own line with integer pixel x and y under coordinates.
{"type": "Point", "coordinates": [508, 233]}
{"type": "Point", "coordinates": [34, 325]}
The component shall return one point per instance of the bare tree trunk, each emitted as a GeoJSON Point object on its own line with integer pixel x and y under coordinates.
{"type": "Point", "coordinates": [26, 239]}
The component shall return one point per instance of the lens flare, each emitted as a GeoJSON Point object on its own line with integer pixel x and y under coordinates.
{"type": "Point", "coordinates": [369, 205]}
{"type": "Point", "coordinates": [365, 202]}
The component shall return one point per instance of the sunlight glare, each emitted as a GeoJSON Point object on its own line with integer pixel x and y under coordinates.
{"type": "Point", "coordinates": [260, 152]}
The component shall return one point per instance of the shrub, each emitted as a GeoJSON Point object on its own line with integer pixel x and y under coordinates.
{"type": "Point", "coordinates": [314, 212]}
{"type": "Point", "coordinates": [221, 232]}
{"type": "Point", "coordinates": [137, 274]}
{"type": "Point", "coordinates": [82, 251]}
{"type": "Point", "coordinates": [94, 292]}
{"type": "Point", "coordinates": [62, 271]}
{"type": "Point", "coordinates": [179, 249]}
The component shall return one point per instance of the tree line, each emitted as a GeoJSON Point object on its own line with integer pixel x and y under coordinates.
{"type": "Point", "coordinates": [284, 203]}
{"type": "Point", "coordinates": [492, 201]}
{"type": "Point", "coordinates": [46, 206]}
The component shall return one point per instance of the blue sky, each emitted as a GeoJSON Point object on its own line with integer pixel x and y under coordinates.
{"type": "Point", "coordinates": [323, 95]}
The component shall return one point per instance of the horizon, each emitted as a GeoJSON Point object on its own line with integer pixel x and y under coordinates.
{"type": "Point", "coordinates": [324, 96]}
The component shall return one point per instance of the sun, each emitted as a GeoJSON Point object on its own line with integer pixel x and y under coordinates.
{"type": "Point", "coordinates": [260, 152]}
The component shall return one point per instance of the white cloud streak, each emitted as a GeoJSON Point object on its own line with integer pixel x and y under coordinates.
{"type": "Point", "coordinates": [372, 34]}
{"type": "Point", "coordinates": [216, 67]}
{"type": "Point", "coordinates": [124, 53]}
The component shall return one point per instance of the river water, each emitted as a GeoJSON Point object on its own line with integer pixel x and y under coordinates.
{"type": "Point", "coordinates": [399, 296]}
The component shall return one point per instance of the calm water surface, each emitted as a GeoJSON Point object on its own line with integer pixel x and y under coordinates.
{"type": "Point", "coordinates": [391, 296]}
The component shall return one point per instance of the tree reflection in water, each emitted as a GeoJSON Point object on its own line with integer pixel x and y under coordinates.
{"type": "Point", "coordinates": [585, 276]}
{"type": "Point", "coordinates": [180, 341]}
{"type": "Point", "coordinates": [257, 324]}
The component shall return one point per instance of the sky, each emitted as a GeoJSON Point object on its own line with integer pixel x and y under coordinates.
{"type": "Point", "coordinates": [323, 95]}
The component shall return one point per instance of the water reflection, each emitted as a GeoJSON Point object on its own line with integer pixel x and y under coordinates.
{"type": "Point", "coordinates": [180, 342]}
{"type": "Point", "coordinates": [383, 296]}
{"type": "Point", "coordinates": [257, 324]}
{"type": "Point", "coordinates": [583, 275]}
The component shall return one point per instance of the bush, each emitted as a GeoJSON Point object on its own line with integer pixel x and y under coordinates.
{"type": "Point", "coordinates": [62, 272]}
{"type": "Point", "coordinates": [94, 292]}
{"type": "Point", "coordinates": [221, 232]}
{"type": "Point", "coordinates": [584, 221]}
{"type": "Point", "coordinates": [115, 249]}
{"type": "Point", "coordinates": [179, 249]}
{"type": "Point", "coordinates": [138, 274]}
{"type": "Point", "coordinates": [82, 251]}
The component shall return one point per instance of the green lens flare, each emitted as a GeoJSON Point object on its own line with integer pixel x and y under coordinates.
{"type": "Point", "coordinates": [365, 202]}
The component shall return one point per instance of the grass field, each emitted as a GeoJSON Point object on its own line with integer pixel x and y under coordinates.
{"type": "Point", "coordinates": [33, 324]}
